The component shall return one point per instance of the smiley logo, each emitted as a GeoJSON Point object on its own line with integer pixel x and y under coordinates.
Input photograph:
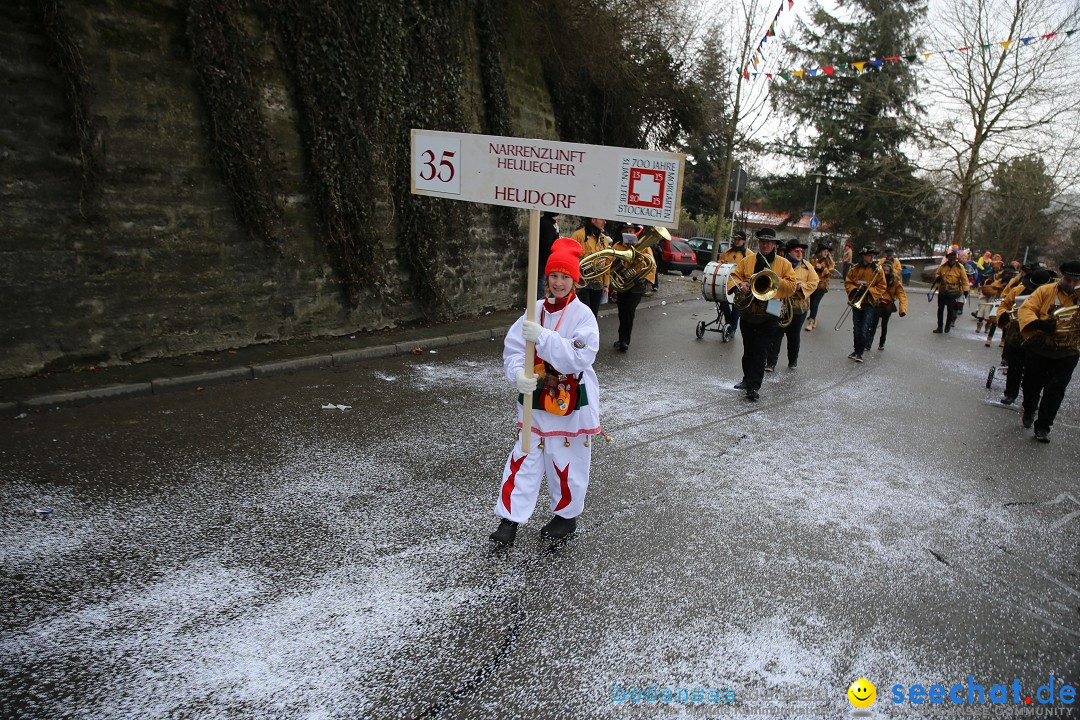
{"type": "Point", "coordinates": [862, 693]}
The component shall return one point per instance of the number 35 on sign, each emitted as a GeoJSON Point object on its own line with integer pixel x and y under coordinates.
{"type": "Point", "coordinates": [436, 162]}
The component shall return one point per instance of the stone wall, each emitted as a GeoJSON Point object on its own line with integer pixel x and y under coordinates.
{"type": "Point", "coordinates": [147, 257]}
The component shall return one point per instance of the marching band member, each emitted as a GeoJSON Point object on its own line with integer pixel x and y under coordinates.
{"type": "Point", "coordinates": [823, 265]}
{"type": "Point", "coordinates": [565, 399]}
{"type": "Point", "coordinates": [891, 259]}
{"type": "Point", "coordinates": [952, 282]}
{"type": "Point", "coordinates": [1014, 354]}
{"type": "Point", "coordinates": [864, 285]}
{"type": "Point", "coordinates": [1053, 348]}
{"type": "Point", "coordinates": [592, 239]}
{"type": "Point", "coordinates": [993, 321]}
{"type": "Point", "coordinates": [628, 300]}
{"type": "Point", "coordinates": [806, 282]}
{"type": "Point", "coordinates": [758, 324]}
{"type": "Point", "coordinates": [733, 255]}
{"type": "Point", "coordinates": [886, 305]}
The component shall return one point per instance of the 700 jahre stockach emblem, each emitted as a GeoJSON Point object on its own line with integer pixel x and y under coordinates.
{"type": "Point", "coordinates": [647, 189]}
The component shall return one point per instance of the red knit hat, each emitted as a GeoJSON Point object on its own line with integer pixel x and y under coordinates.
{"type": "Point", "coordinates": [565, 258]}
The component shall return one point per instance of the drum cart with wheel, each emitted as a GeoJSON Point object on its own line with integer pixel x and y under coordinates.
{"type": "Point", "coordinates": [714, 288]}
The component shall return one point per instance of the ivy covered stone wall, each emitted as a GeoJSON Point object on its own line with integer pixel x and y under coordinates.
{"type": "Point", "coordinates": [188, 175]}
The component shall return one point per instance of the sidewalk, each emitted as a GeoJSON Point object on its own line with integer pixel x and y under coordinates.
{"type": "Point", "coordinates": [191, 372]}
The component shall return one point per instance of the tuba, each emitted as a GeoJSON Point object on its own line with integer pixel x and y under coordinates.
{"type": "Point", "coordinates": [1066, 336]}
{"type": "Point", "coordinates": [787, 312]}
{"type": "Point", "coordinates": [626, 267]}
{"type": "Point", "coordinates": [763, 286]}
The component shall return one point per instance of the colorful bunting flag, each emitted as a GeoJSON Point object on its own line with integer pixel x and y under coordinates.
{"type": "Point", "coordinates": [860, 66]}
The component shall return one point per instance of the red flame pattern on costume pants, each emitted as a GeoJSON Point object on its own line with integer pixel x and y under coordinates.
{"type": "Point", "coordinates": [508, 486]}
{"type": "Point", "coordinates": [564, 486]}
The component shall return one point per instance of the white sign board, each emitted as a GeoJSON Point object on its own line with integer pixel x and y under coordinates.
{"type": "Point", "coordinates": [612, 183]}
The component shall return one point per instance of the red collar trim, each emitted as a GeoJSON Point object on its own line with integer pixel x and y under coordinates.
{"type": "Point", "coordinates": [559, 304]}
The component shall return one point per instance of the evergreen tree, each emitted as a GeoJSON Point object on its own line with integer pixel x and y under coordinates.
{"type": "Point", "coordinates": [1018, 213]}
{"type": "Point", "coordinates": [854, 126]}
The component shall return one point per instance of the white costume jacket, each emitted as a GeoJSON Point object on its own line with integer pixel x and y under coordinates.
{"type": "Point", "coordinates": [569, 344]}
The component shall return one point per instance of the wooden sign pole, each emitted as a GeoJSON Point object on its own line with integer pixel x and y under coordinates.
{"type": "Point", "coordinates": [530, 315]}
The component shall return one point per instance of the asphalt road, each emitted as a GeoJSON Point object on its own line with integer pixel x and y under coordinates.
{"type": "Point", "coordinates": [247, 552]}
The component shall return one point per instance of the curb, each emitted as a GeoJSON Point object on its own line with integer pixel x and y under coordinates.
{"type": "Point", "coordinates": [161, 386]}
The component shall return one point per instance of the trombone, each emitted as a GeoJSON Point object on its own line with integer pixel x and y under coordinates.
{"type": "Point", "coordinates": [857, 304]}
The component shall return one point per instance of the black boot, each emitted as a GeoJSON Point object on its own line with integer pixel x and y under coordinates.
{"type": "Point", "coordinates": [558, 527]}
{"type": "Point", "coordinates": [505, 533]}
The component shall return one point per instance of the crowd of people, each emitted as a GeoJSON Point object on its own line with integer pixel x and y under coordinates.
{"type": "Point", "coordinates": [777, 293]}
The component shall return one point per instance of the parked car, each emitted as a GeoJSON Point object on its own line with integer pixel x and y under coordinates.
{"type": "Point", "coordinates": [674, 254]}
{"type": "Point", "coordinates": [703, 249]}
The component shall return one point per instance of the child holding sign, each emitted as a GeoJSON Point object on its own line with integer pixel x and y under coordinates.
{"type": "Point", "coordinates": [565, 397]}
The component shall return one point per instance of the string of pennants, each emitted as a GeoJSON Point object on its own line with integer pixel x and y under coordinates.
{"type": "Point", "coordinates": [856, 68]}
{"type": "Point", "coordinates": [759, 55]}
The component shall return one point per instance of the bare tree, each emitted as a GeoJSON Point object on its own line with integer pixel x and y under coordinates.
{"type": "Point", "coordinates": [746, 23]}
{"type": "Point", "coordinates": [1009, 87]}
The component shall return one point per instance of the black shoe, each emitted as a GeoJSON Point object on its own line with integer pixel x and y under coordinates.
{"type": "Point", "coordinates": [858, 358]}
{"type": "Point", "coordinates": [948, 328]}
{"type": "Point", "coordinates": [1042, 436]}
{"type": "Point", "coordinates": [853, 355]}
{"type": "Point", "coordinates": [505, 533]}
{"type": "Point", "coordinates": [975, 315]}
{"type": "Point", "coordinates": [558, 527]}
{"type": "Point", "coordinates": [792, 366]}
{"type": "Point", "coordinates": [937, 331]}
{"type": "Point", "coordinates": [1007, 399]}
{"type": "Point", "coordinates": [1028, 420]}
{"type": "Point", "coordinates": [617, 345]}
{"type": "Point", "coordinates": [770, 368]}
{"type": "Point", "coordinates": [752, 395]}
{"type": "Point", "coordinates": [740, 385]}
{"type": "Point", "coordinates": [623, 347]}
{"type": "Point", "coordinates": [881, 347]}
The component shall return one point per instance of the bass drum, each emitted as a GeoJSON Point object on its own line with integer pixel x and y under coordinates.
{"type": "Point", "coordinates": [714, 282]}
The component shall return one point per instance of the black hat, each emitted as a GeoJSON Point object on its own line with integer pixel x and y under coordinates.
{"type": "Point", "coordinates": [766, 234]}
{"type": "Point", "coordinates": [890, 250]}
{"type": "Point", "coordinates": [1071, 269]}
{"type": "Point", "coordinates": [1040, 277]}
{"type": "Point", "coordinates": [951, 253]}
{"type": "Point", "coordinates": [794, 243]}
{"type": "Point", "coordinates": [738, 235]}
{"type": "Point", "coordinates": [825, 245]}
{"type": "Point", "coordinates": [867, 250]}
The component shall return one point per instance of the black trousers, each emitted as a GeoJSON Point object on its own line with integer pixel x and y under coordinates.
{"type": "Point", "coordinates": [731, 316]}
{"type": "Point", "coordinates": [591, 297]}
{"type": "Point", "coordinates": [1014, 356]}
{"type": "Point", "coordinates": [628, 302]}
{"type": "Point", "coordinates": [793, 332]}
{"type": "Point", "coordinates": [1044, 383]}
{"type": "Point", "coordinates": [860, 327]}
{"type": "Point", "coordinates": [815, 300]}
{"type": "Point", "coordinates": [756, 337]}
{"type": "Point", "coordinates": [882, 318]}
{"type": "Point", "coordinates": [946, 302]}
